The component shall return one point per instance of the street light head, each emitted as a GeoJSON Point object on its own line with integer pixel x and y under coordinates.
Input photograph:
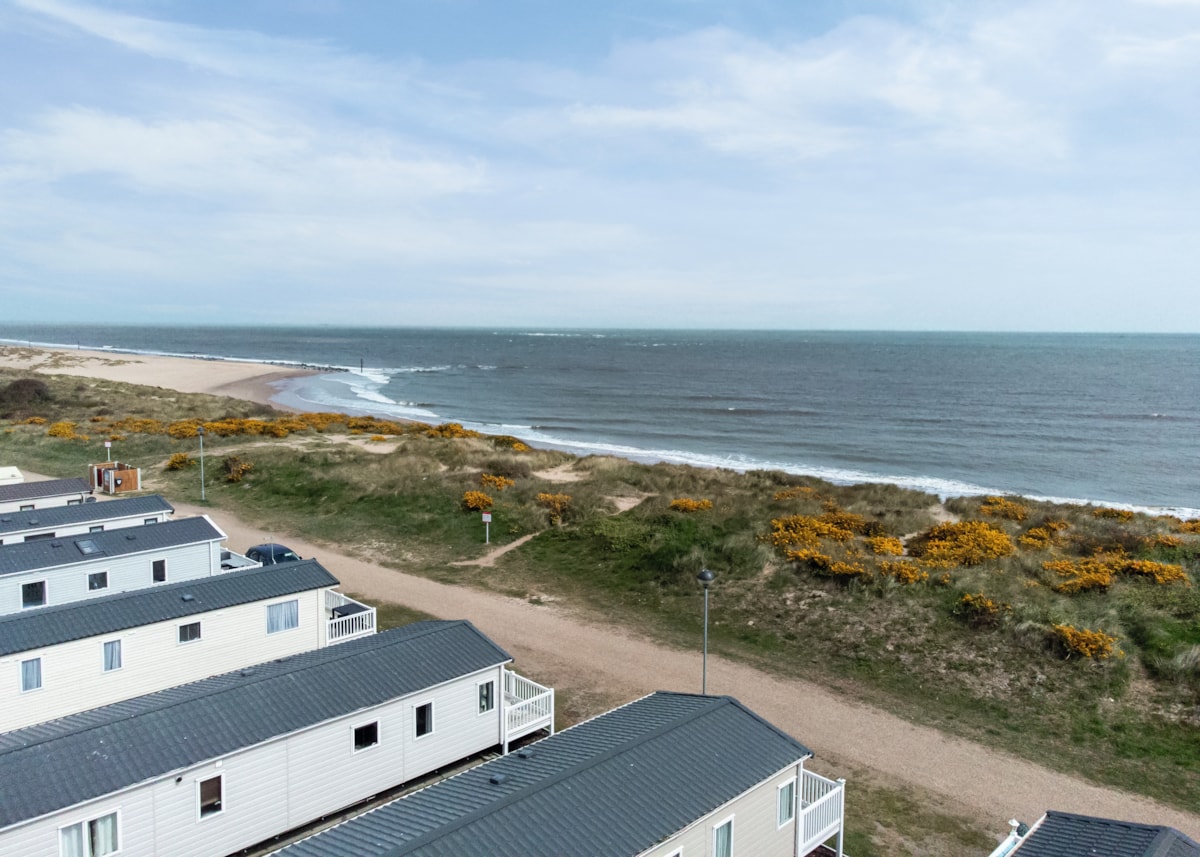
{"type": "Point", "coordinates": [706, 577]}
{"type": "Point", "coordinates": [200, 430]}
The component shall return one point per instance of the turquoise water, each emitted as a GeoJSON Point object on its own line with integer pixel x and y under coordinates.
{"type": "Point", "coordinates": [1103, 418]}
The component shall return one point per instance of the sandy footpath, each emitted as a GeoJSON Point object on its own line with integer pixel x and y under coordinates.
{"type": "Point", "coordinates": [599, 666]}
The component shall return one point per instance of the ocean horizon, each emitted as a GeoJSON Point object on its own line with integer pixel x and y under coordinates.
{"type": "Point", "coordinates": [1110, 419]}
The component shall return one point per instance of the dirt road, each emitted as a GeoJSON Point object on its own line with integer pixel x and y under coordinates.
{"type": "Point", "coordinates": [600, 666]}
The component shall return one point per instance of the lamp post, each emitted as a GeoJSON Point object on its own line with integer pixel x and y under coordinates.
{"type": "Point", "coordinates": [200, 432]}
{"type": "Point", "coordinates": [705, 577]}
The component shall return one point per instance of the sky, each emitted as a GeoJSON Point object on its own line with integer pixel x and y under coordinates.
{"type": "Point", "coordinates": [770, 164]}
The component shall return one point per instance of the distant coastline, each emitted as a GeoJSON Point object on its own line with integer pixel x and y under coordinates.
{"type": "Point", "coordinates": [1086, 418]}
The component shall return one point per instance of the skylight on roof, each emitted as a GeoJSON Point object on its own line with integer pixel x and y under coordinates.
{"type": "Point", "coordinates": [87, 547]}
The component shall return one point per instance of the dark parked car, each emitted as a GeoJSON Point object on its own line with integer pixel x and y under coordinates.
{"type": "Point", "coordinates": [272, 554]}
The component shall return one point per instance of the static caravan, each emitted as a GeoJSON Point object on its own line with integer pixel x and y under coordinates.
{"type": "Point", "coordinates": [61, 570]}
{"type": "Point", "coordinates": [1067, 834]}
{"type": "Point", "coordinates": [57, 521]}
{"type": "Point", "coordinates": [62, 660]}
{"type": "Point", "coordinates": [209, 768]}
{"type": "Point", "coordinates": [670, 774]}
{"type": "Point", "coordinates": [27, 496]}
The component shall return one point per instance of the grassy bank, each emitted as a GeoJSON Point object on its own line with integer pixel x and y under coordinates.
{"type": "Point", "coordinates": [1064, 634]}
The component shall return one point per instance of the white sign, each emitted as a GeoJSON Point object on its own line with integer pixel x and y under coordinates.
{"type": "Point", "coordinates": [487, 517]}
{"type": "Point", "coordinates": [108, 444]}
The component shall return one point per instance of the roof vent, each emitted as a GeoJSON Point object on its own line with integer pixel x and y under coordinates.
{"type": "Point", "coordinates": [5, 520]}
{"type": "Point", "coordinates": [525, 753]}
{"type": "Point", "coordinates": [33, 522]}
{"type": "Point", "coordinates": [130, 536]}
{"type": "Point", "coordinates": [55, 544]}
{"type": "Point", "coordinates": [245, 673]}
{"type": "Point", "coordinates": [187, 596]}
{"type": "Point", "coordinates": [498, 779]}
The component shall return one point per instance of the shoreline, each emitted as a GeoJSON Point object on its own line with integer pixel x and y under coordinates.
{"type": "Point", "coordinates": [254, 382]}
{"type": "Point", "coordinates": [265, 383]}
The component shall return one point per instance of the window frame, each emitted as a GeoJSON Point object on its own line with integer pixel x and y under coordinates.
{"type": "Point", "coordinates": [281, 604]}
{"type": "Point", "coordinates": [355, 749]}
{"type": "Point", "coordinates": [715, 829]}
{"type": "Point", "coordinates": [201, 815]}
{"type": "Point", "coordinates": [429, 720]}
{"type": "Point", "coordinates": [479, 697]}
{"type": "Point", "coordinates": [85, 828]}
{"type": "Point", "coordinates": [41, 677]}
{"type": "Point", "coordinates": [157, 565]}
{"type": "Point", "coordinates": [96, 528]}
{"type": "Point", "coordinates": [119, 642]}
{"type": "Point", "coordinates": [44, 583]}
{"type": "Point", "coordinates": [95, 575]}
{"type": "Point", "coordinates": [146, 521]}
{"type": "Point", "coordinates": [28, 507]}
{"type": "Point", "coordinates": [179, 641]}
{"type": "Point", "coordinates": [780, 821]}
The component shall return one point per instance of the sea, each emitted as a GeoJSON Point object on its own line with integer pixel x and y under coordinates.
{"type": "Point", "coordinates": [1111, 419]}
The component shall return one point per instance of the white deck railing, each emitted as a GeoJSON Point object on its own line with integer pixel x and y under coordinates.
{"type": "Point", "coordinates": [339, 629]}
{"type": "Point", "coordinates": [822, 807]}
{"type": "Point", "coordinates": [528, 707]}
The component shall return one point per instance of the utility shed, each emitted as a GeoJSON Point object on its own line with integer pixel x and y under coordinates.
{"type": "Point", "coordinates": [1065, 834]}
{"type": "Point", "coordinates": [62, 660]}
{"type": "Point", "coordinates": [670, 771]}
{"type": "Point", "coordinates": [17, 527]}
{"type": "Point", "coordinates": [57, 571]}
{"type": "Point", "coordinates": [213, 767]}
{"type": "Point", "coordinates": [43, 494]}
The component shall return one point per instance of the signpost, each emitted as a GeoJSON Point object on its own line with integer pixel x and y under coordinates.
{"type": "Point", "coordinates": [108, 450]}
{"type": "Point", "coordinates": [487, 528]}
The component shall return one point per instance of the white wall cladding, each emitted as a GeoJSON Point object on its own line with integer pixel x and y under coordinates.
{"type": "Point", "coordinates": [286, 782]}
{"type": "Point", "coordinates": [755, 826]}
{"type": "Point", "coordinates": [73, 678]}
{"type": "Point", "coordinates": [65, 584]}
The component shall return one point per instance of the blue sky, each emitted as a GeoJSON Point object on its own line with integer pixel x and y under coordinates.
{"type": "Point", "coordinates": [760, 164]}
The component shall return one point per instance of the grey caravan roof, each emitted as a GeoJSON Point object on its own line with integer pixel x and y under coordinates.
{"type": "Point", "coordinates": [81, 757]}
{"type": "Point", "coordinates": [614, 785]}
{"type": "Point", "coordinates": [1065, 834]}
{"type": "Point", "coordinates": [52, 553]}
{"type": "Point", "coordinates": [45, 488]}
{"type": "Point", "coordinates": [84, 513]}
{"type": "Point", "coordinates": [107, 614]}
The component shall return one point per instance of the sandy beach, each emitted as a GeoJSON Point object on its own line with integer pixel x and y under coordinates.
{"type": "Point", "coordinates": [242, 380]}
{"type": "Point", "coordinates": [599, 666]}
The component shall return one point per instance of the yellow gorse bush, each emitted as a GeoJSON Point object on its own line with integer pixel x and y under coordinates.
{"type": "Point", "coordinates": [963, 543]}
{"type": "Point", "coordinates": [1098, 572]}
{"type": "Point", "coordinates": [556, 504]}
{"type": "Point", "coordinates": [499, 483]}
{"type": "Point", "coordinates": [807, 556]}
{"type": "Point", "coordinates": [805, 531]}
{"type": "Point", "coordinates": [1162, 540]}
{"type": "Point", "coordinates": [1001, 507]}
{"type": "Point", "coordinates": [904, 572]}
{"type": "Point", "coordinates": [687, 504]}
{"type": "Point", "coordinates": [476, 501]}
{"type": "Point", "coordinates": [1081, 641]}
{"type": "Point", "coordinates": [179, 461]}
{"type": "Point", "coordinates": [980, 610]}
{"type": "Point", "coordinates": [886, 545]}
{"type": "Point", "coordinates": [1192, 526]}
{"type": "Point", "coordinates": [64, 429]}
{"type": "Point", "coordinates": [1115, 514]}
